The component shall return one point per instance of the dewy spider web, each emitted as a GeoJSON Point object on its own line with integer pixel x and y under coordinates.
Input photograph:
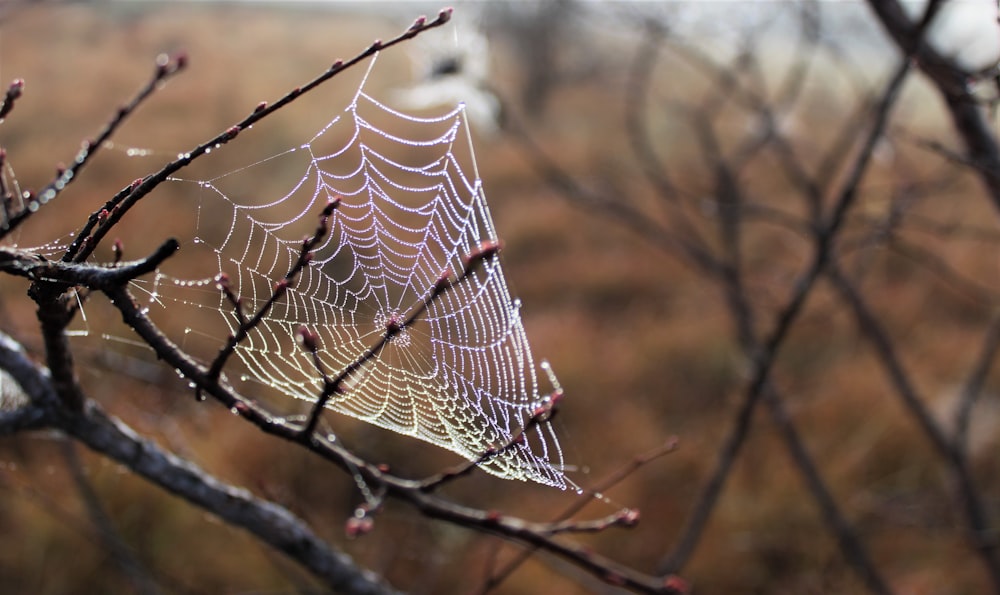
{"type": "Point", "coordinates": [462, 376]}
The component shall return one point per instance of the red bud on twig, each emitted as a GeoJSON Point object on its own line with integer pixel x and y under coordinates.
{"type": "Point", "coordinates": [677, 584]}
{"type": "Point", "coordinates": [483, 251]}
{"type": "Point", "coordinates": [356, 527]}
{"type": "Point", "coordinates": [308, 339]}
{"type": "Point", "coordinates": [15, 89]}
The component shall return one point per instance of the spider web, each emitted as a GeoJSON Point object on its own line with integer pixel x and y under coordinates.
{"type": "Point", "coordinates": [462, 376]}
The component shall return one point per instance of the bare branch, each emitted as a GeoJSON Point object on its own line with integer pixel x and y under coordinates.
{"type": "Point", "coordinates": [94, 231]}
{"type": "Point", "coordinates": [165, 68]}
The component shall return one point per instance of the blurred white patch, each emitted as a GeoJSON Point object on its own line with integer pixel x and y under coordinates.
{"type": "Point", "coordinates": [964, 31]}
{"type": "Point", "coordinates": [12, 397]}
{"type": "Point", "coordinates": [456, 71]}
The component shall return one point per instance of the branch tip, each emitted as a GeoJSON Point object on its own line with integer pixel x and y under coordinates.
{"type": "Point", "coordinates": [628, 517]}
{"type": "Point", "coordinates": [15, 89]}
{"type": "Point", "coordinates": [483, 251]}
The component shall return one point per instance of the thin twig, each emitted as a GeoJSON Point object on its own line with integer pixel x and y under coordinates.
{"type": "Point", "coordinates": [94, 231]}
{"type": "Point", "coordinates": [617, 476]}
{"type": "Point", "coordinates": [165, 68]}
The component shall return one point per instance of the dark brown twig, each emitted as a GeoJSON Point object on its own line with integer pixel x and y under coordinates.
{"type": "Point", "coordinates": [165, 68]}
{"type": "Point", "coordinates": [94, 231]}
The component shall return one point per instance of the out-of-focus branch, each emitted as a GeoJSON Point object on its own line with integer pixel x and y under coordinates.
{"type": "Point", "coordinates": [968, 117]}
{"type": "Point", "coordinates": [14, 91]}
{"type": "Point", "coordinates": [973, 386]}
{"type": "Point", "coordinates": [165, 68]}
{"type": "Point", "coordinates": [730, 223]}
{"type": "Point", "coordinates": [123, 556]}
{"type": "Point", "coordinates": [764, 359]}
{"type": "Point", "coordinates": [980, 532]}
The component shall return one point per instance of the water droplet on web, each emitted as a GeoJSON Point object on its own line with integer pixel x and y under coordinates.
{"type": "Point", "coordinates": [382, 260]}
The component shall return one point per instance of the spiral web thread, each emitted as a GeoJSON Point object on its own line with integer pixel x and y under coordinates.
{"type": "Point", "coordinates": [462, 376]}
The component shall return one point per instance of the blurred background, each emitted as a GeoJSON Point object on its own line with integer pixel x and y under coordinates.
{"type": "Point", "coordinates": [609, 137]}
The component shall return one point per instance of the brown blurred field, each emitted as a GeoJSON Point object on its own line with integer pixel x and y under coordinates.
{"type": "Point", "coordinates": [643, 346]}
